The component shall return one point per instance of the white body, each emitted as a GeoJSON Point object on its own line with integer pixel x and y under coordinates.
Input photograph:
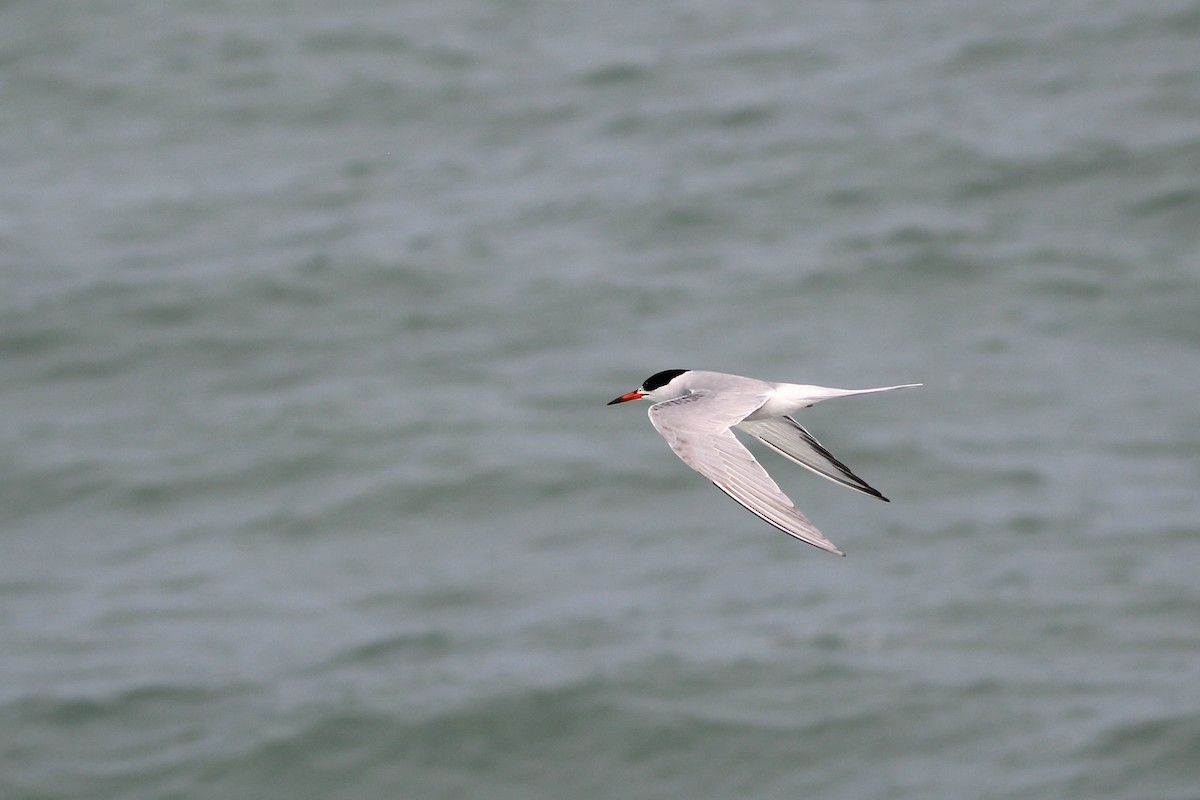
{"type": "Point", "coordinates": [779, 399]}
{"type": "Point", "coordinates": [695, 412]}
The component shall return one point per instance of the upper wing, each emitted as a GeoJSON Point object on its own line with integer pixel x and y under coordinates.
{"type": "Point", "coordinates": [788, 438]}
{"type": "Point", "coordinates": [697, 427]}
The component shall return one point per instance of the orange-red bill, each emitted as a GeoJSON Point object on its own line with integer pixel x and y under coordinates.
{"type": "Point", "coordinates": [636, 394]}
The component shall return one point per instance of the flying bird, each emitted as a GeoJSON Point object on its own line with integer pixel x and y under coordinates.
{"type": "Point", "coordinates": [696, 412]}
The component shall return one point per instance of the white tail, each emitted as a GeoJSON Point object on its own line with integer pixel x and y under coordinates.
{"type": "Point", "coordinates": [791, 397]}
{"type": "Point", "coordinates": [819, 393]}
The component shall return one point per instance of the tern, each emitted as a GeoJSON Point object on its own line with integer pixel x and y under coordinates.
{"type": "Point", "coordinates": [696, 412]}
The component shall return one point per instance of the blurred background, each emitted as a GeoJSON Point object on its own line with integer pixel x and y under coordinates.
{"type": "Point", "coordinates": [308, 316]}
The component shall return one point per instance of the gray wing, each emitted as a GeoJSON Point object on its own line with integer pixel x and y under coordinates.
{"type": "Point", "coordinates": [788, 438]}
{"type": "Point", "coordinates": [697, 427]}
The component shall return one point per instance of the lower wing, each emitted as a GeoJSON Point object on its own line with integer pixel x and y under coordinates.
{"type": "Point", "coordinates": [788, 438]}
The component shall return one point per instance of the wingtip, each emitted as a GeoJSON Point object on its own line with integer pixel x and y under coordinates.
{"type": "Point", "coordinates": [829, 547]}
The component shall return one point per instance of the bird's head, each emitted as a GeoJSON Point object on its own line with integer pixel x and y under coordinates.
{"type": "Point", "coordinates": [660, 386]}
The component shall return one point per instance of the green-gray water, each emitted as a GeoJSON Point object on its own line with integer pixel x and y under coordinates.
{"type": "Point", "coordinates": [308, 316]}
